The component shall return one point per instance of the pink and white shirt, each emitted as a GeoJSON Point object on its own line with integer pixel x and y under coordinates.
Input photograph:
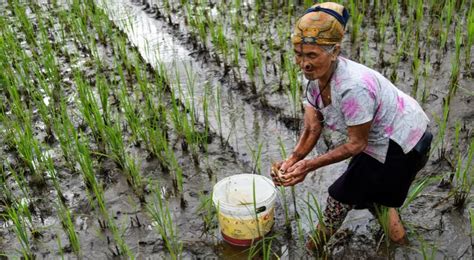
{"type": "Point", "coordinates": [359, 95]}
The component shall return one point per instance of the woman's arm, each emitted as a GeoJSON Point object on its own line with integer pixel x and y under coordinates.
{"type": "Point", "coordinates": [358, 138]}
{"type": "Point", "coordinates": [308, 137]}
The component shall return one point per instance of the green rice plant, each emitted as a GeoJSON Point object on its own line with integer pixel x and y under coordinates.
{"type": "Point", "coordinates": [416, 189]}
{"type": "Point", "coordinates": [64, 129]}
{"type": "Point", "coordinates": [308, 3]}
{"type": "Point", "coordinates": [282, 191]}
{"type": "Point", "coordinates": [256, 157]}
{"type": "Point", "coordinates": [455, 63]}
{"type": "Point", "coordinates": [463, 177]}
{"type": "Point", "coordinates": [176, 168]}
{"type": "Point", "coordinates": [294, 87]}
{"type": "Point", "coordinates": [220, 41]}
{"type": "Point", "coordinates": [470, 37]}
{"type": "Point", "coordinates": [382, 29]}
{"type": "Point", "coordinates": [251, 56]}
{"type": "Point", "coordinates": [90, 111]}
{"type": "Point", "coordinates": [19, 10]}
{"type": "Point", "coordinates": [262, 249]}
{"type": "Point", "coordinates": [365, 56]}
{"type": "Point", "coordinates": [60, 246]}
{"type": "Point", "coordinates": [95, 189]}
{"type": "Point", "coordinates": [382, 215]}
{"type": "Point", "coordinates": [20, 227]}
{"type": "Point", "coordinates": [207, 211]}
{"type": "Point", "coordinates": [103, 91]}
{"type": "Point", "coordinates": [416, 67]}
{"type": "Point", "coordinates": [67, 224]}
{"type": "Point", "coordinates": [160, 213]}
{"type": "Point", "coordinates": [318, 234]}
{"type": "Point", "coordinates": [471, 217]}
{"type": "Point", "coordinates": [115, 144]}
{"type": "Point", "coordinates": [29, 151]}
{"type": "Point", "coordinates": [130, 108]}
{"type": "Point", "coordinates": [427, 250]}
{"type": "Point", "coordinates": [122, 248]}
{"type": "Point", "coordinates": [447, 16]}
{"type": "Point", "coordinates": [396, 17]}
{"type": "Point", "coordinates": [236, 60]}
{"type": "Point", "coordinates": [442, 123]}
{"type": "Point", "coordinates": [218, 112]}
{"type": "Point", "coordinates": [134, 177]}
{"type": "Point", "coordinates": [357, 18]}
{"type": "Point", "coordinates": [46, 114]}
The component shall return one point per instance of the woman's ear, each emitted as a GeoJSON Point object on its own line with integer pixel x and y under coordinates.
{"type": "Point", "coordinates": [336, 51]}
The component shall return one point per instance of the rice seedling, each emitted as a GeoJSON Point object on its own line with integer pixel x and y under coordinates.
{"type": "Point", "coordinates": [294, 87]}
{"type": "Point", "coordinates": [29, 151]}
{"type": "Point", "coordinates": [19, 10]}
{"type": "Point", "coordinates": [115, 143]}
{"type": "Point", "coordinates": [427, 250]}
{"type": "Point", "coordinates": [439, 139]}
{"type": "Point", "coordinates": [91, 112]}
{"type": "Point", "coordinates": [463, 177]}
{"type": "Point", "coordinates": [416, 67]}
{"type": "Point", "coordinates": [262, 249]}
{"type": "Point", "coordinates": [416, 189]}
{"type": "Point", "coordinates": [251, 56]}
{"type": "Point", "coordinates": [455, 63]}
{"type": "Point", "coordinates": [470, 37]}
{"type": "Point", "coordinates": [129, 107]}
{"type": "Point", "coordinates": [134, 177]}
{"type": "Point", "coordinates": [283, 191]}
{"type": "Point", "coordinates": [471, 217]}
{"type": "Point", "coordinates": [207, 211]}
{"type": "Point", "coordinates": [20, 227]}
{"type": "Point", "coordinates": [318, 234]}
{"type": "Point", "coordinates": [382, 215]}
{"type": "Point", "coordinates": [159, 211]}
{"type": "Point", "coordinates": [447, 16]}
{"type": "Point", "coordinates": [64, 129]}
{"type": "Point", "coordinates": [218, 112]}
{"type": "Point", "coordinates": [95, 189]}
{"type": "Point", "coordinates": [67, 224]}
{"type": "Point", "coordinates": [357, 18]}
{"type": "Point", "coordinates": [60, 246]}
{"type": "Point", "coordinates": [256, 157]}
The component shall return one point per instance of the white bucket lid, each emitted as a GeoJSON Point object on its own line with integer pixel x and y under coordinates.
{"type": "Point", "coordinates": [235, 194]}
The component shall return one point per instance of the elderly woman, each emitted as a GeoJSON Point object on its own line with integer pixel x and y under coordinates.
{"type": "Point", "coordinates": [386, 129]}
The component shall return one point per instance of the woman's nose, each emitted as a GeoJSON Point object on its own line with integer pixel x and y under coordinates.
{"type": "Point", "coordinates": [307, 66]}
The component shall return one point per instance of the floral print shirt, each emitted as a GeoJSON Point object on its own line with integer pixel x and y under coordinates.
{"type": "Point", "coordinates": [359, 95]}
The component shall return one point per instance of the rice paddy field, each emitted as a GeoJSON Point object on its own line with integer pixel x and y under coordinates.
{"type": "Point", "coordinates": [117, 117]}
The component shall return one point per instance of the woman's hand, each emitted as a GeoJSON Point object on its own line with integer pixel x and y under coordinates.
{"type": "Point", "coordinates": [278, 170]}
{"type": "Point", "coordinates": [296, 173]}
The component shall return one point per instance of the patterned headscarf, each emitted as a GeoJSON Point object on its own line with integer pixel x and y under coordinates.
{"type": "Point", "coordinates": [321, 24]}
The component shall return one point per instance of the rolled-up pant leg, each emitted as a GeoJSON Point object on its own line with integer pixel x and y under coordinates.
{"type": "Point", "coordinates": [334, 214]}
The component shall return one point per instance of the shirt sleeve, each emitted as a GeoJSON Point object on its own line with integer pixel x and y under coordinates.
{"type": "Point", "coordinates": [357, 105]}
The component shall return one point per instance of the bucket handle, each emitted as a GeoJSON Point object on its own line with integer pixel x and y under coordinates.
{"type": "Point", "coordinates": [261, 209]}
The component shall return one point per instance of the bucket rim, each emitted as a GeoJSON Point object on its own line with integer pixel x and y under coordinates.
{"type": "Point", "coordinates": [267, 201]}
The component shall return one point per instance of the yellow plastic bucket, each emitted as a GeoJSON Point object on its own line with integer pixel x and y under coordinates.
{"type": "Point", "coordinates": [240, 221]}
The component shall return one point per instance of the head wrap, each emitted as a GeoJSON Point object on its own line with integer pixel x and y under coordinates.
{"type": "Point", "coordinates": [321, 24]}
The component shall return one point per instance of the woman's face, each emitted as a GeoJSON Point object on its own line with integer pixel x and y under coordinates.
{"type": "Point", "coordinates": [313, 60]}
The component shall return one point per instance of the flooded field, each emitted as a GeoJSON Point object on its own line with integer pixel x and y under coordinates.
{"type": "Point", "coordinates": [119, 116]}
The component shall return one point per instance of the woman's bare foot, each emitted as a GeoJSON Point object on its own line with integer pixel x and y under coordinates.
{"type": "Point", "coordinates": [397, 232]}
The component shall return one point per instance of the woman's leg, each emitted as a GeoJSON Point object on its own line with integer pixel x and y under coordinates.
{"type": "Point", "coordinates": [396, 231]}
{"type": "Point", "coordinates": [333, 217]}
